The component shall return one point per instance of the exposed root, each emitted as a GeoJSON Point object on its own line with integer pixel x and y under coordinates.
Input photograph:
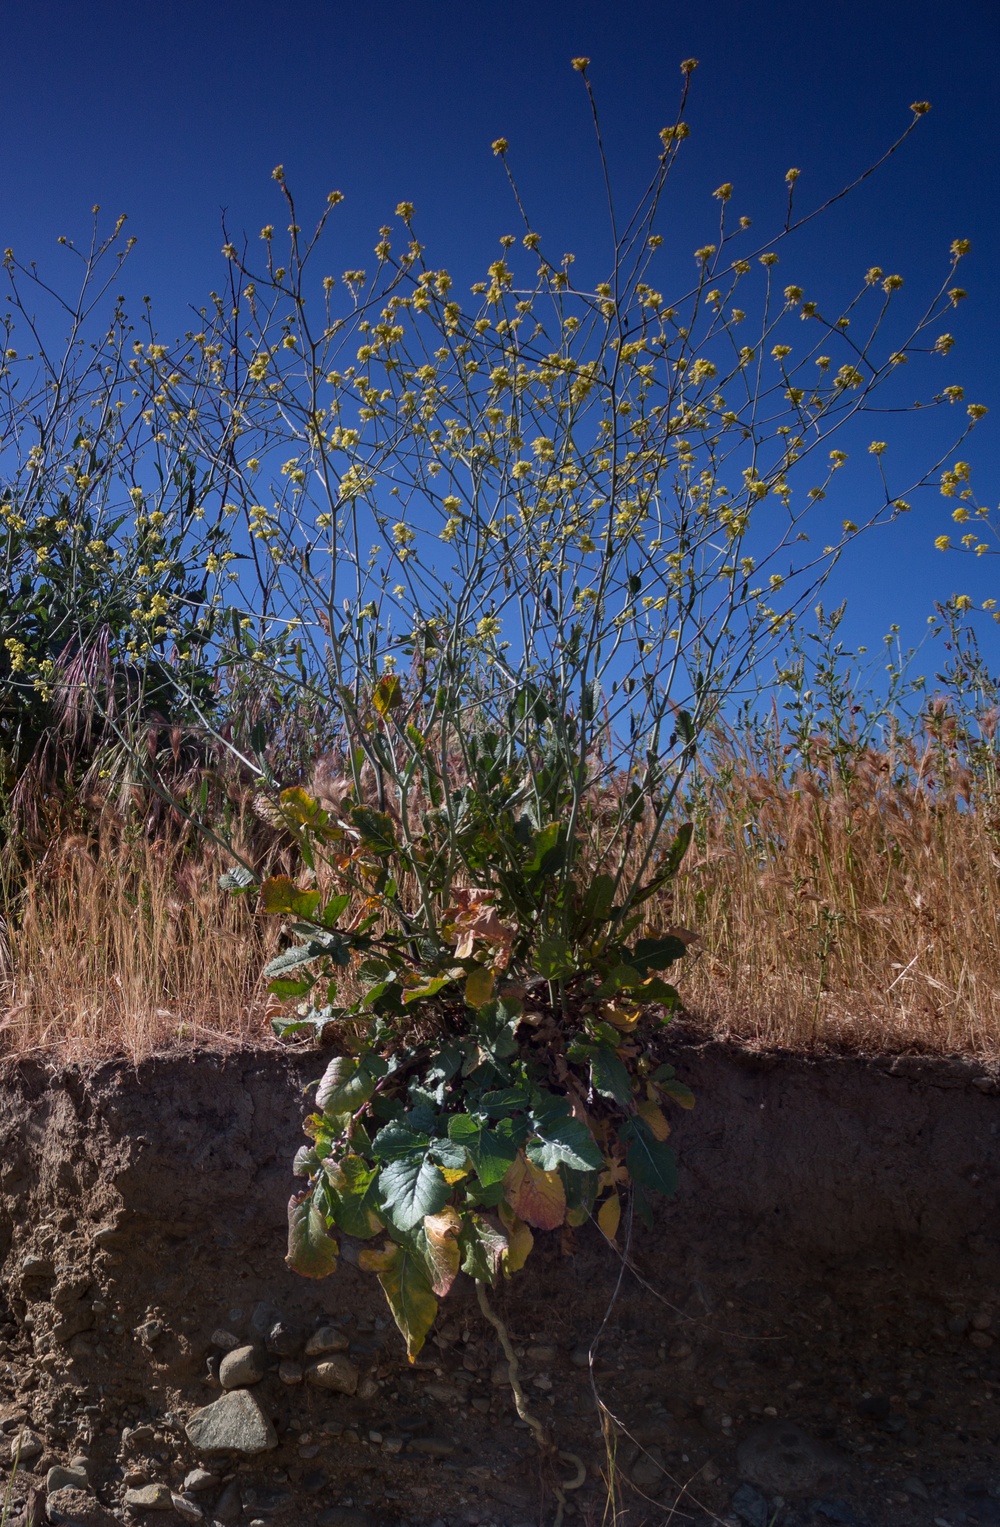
{"type": "Point", "coordinates": [546, 1445]}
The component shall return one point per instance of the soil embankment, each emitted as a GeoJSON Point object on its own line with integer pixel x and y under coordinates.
{"type": "Point", "coordinates": [811, 1334]}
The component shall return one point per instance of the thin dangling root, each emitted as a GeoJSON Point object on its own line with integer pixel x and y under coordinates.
{"type": "Point", "coordinates": [546, 1445]}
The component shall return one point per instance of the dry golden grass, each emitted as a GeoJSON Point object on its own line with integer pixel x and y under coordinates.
{"type": "Point", "coordinates": [123, 945]}
{"type": "Point", "coordinates": [851, 904]}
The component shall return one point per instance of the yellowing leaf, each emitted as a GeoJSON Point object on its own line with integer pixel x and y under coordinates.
{"type": "Point", "coordinates": [609, 1216]}
{"type": "Point", "coordinates": [311, 1251]}
{"type": "Point", "coordinates": [407, 1288]}
{"type": "Point", "coordinates": [519, 1241]}
{"type": "Point", "coordinates": [479, 986]}
{"type": "Point", "coordinates": [535, 1195]}
{"type": "Point", "coordinates": [624, 1018]}
{"type": "Point", "coordinates": [654, 1117]}
{"type": "Point", "coordinates": [388, 694]}
{"type": "Point", "coordinates": [453, 1174]}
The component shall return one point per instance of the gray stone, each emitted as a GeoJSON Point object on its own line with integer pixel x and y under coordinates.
{"type": "Point", "coordinates": [26, 1444]}
{"type": "Point", "coordinates": [836, 1511]}
{"type": "Point", "coordinates": [335, 1372]}
{"type": "Point", "coordinates": [264, 1501]}
{"type": "Point", "coordinates": [580, 1357]}
{"type": "Point", "coordinates": [149, 1498]}
{"type": "Point", "coordinates": [781, 1458]}
{"type": "Point", "coordinates": [282, 1340]}
{"type": "Point", "coordinates": [224, 1340]}
{"type": "Point", "coordinates": [229, 1506]}
{"type": "Point", "coordinates": [326, 1339]}
{"type": "Point", "coordinates": [647, 1471]}
{"type": "Point", "coordinates": [916, 1487]}
{"type": "Point", "coordinates": [289, 1373]}
{"type": "Point", "coordinates": [198, 1480]}
{"type": "Point", "coordinates": [186, 1508]}
{"type": "Point", "coordinates": [432, 1447]}
{"type": "Point", "coordinates": [263, 1318]}
{"type": "Point", "coordinates": [59, 1478]}
{"type": "Point", "coordinates": [751, 1507]}
{"type": "Point", "coordinates": [233, 1424]}
{"type": "Point", "coordinates": [75, 1508]}
{"type": "Point", "coordinates": [241, 1367]}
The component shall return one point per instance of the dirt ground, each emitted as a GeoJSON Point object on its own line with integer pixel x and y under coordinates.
{"type": "Point", "coordinates": [809, 1334]}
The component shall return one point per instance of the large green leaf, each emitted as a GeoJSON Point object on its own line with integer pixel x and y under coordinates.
{"type": "Point", "coordinates": [609, 1075]}
{"type": "Point", "coordinates": [650, 1162]}
{"type": "Point", "coordinates": [353, 1191]}
{"type": "Point", "coordinates": [407, 1288]}
{"type": "Point", "coordinates": [559, 1139]}
{"type": "Point", "coordinates": [482, 1246]}
{"type": "Point", "coordinates": [345, 1086]}
{"type": "Point", "coordinates": [311, 1251]}
{"type": "Point", "coordinates": [411, 1187]}
{"type": "Point", "coordinates": [377, 829]}
{"type": "Point", "coordinates": [490, 1155]}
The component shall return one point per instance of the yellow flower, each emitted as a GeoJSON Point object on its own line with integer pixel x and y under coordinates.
{"type": "Point", "coordinates": [500, 146]}
{"type": "Point", "coordinates": [580, 64]}
{"type": "Point", "coordinates": [877, 447]}
{"type": "Point", "coordinates": [942, 543]}
{"type": "Point", "coordinates": [963, 602]}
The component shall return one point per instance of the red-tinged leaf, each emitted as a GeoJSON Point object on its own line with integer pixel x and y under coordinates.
{"type": "Point", "coordinates": [281, 894]}
{"type": "Point", "coordinates": [406, 1287]}
{"type": "Point", "coordinates": [439, 1242]}
{"type": "Point", "coordinates": [536, 1196]}
{"type": "Point", "coordinates": [388, 694]}
{"type": "Point", "coordinates": [311, 1251]}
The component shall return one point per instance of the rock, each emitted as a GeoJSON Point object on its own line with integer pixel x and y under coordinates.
{"type": "Point", "coordinates": [224, 1340]}
{"type": "Point", "coordinates": [431, 1447]}
{"type": "Point", "coordinates": [368, 1388]}
{"type": "Point", "coordinates": [916, 1487]}
{"type": "Point", "coordinates": [229, 1506]}
{"type": "Point", "coordinates": [59, 1478]}
{"type": "Point", "coordinates": [326, 1339]}
{"type": "Point", "coordinates": [149, 1498]}
{"type": "Point", "coordinates": [981, 1339]}
{"type": "Point", "coordinates": [500, 1377]}
{"type": "Point", "coordinates": [647, 1472]}
{"type": "Point", "coordinates": [26, 1444]}
{"type": "Point", "coordinates": [343, 1516]}
{"type": "Point", "coordinates": [541, 1354]}
{"type": "Point", "coordinates": [75, 1508]}
{"type": "Point", "coordinates": [233, 1424]}
{"type": "Point", "coordinates": [261, 1500]}
{"type": "Point", "coordinates": [281, 1340]}
{"type": "Point", "coordinates": [263, 1318]}
{"type": "Point", "coordinates": [289, 1373]}
{"type": "Point", "coordinates": [335, 1372]}
{"type": "Point", "coordinates": [188, 1510]}
{"type": "Point", "coordinates": [580, 1357]}
{"type": "Point", "coordinates": [37, 1267]}
{"type": "Point", "coordinates": [835, 1511]}
{"type": "Point", "coordinates": [242, 1367]}
{"type": "Point", "coordinates": [751, 1507]}
{"type": "Point", "coordinates": [781, 1458]}
{"type": "Point", "coordinates": [313, 1482]}
{"type": "Point", "coordinates": [198, 1480]}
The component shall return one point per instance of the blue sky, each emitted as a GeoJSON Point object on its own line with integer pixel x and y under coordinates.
{"type": "Point", "coordinates": [177, 110]}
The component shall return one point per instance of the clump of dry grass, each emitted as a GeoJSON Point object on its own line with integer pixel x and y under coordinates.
{"type": "Point", "coordinates": [852, 901]}
{"type": "Point", "coordinates": [123, 943]}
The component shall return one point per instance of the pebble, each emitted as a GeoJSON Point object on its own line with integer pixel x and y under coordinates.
{"type": "Point", "coordinates": [541, 1354]}
{"type": "Point", "coordinates": [242, 1367]}
{"type": "Point", "coordinates": [281, 1340]}
{"type": "Point", "coordinates": [60, 1478]}
{"type": "Point", "coordinates": [431, 1447]}
{"type": "Point", "coordinates": [580, 1357]}
{"type": "Point", "coordinates": [229, 1507]}
{"type": "Point", "coordinates": [336, 1373]}
{"type": "Point", "coordinates": [751, 1507]}
{"type": "Point", "coordinates": [235, 1424]}
{"type": "Point", "coordinates": [198, 1480]}
{"type": "Point", "coordinates": [326, 1339]}
{"type": "Point", "coordinates": [289, 1373]}
{"type": "Point", "coordinates": [647, 1472]}
{"type": "Point", "coordinates": [26, 1444]}
{"type": "Point", "coordinates": [914, 1486]}
{"type": "Point", "coordinates": [224, 1340]}
{"type": "Point", "coordinates": [149, 1498]}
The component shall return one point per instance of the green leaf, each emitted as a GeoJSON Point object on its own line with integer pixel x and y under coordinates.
{"type": "Point", "coordinates": [299, 954]}
{"type": "Point", "coordinates": [490, 1155]}
{"type": "Point", "coordinates": [354, 1193]}
{"type": "Point", "coordinates": [548, 850]}
{"type": "Point", "coordinates": [657, 953]}
{"type": "Point", "coordinates": [407, 1288]}
{"type": "Point", "coordinates": [377, 829]}
{"type": "Point", "coordinates": [397, 1140]}
{"type": "Point", "coordinates": [286, 989]}
{"type": "Point", "coordinates": [237, 880]}
{"type": "Point", "coordinates": [306, 1161]}
{"type": "Point", "coordinates": [597, 902]}
{"type": "Point", "coordinates": [562, 1140]}
{"type": "Point", "coordinates": [670, 865]}
{"type": "Point", "coordinates": [335, 909]}
{"type": "Point", "coordinates": [609, 1075]}
{"type": "Point", "coordinates": [553, 957]}
{"type": "Point", "coordinates": [650, 1162]}
{"type": "Point", "coordinates": [411, 1187]}
{"type": "Point", "coordinates": [388, 694]}
{"type": "Point", "coordinates": [344, 1087]}
{"type": "Point", "coordinates": [311, 1251]}
{"type": "Point", "coordinates": [280, 894]}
